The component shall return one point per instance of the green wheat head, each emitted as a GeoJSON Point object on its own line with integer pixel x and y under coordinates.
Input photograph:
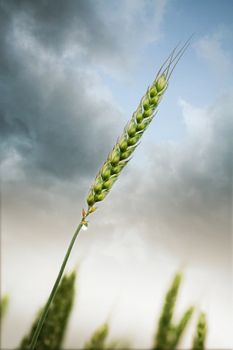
{"type": "Point", "coordinates": [98, 339]}
{"type": "Point", "coordinates": [168, 334]}
{"type": "Point", "coordinates": [200, 335]}
{"type": "Point", "coordinates": [129, 139]}
{"type": "Point", "coordinates": [180, 328]}
{"type": "Point", "coordinates": [3, 306]}
{"type": "Point", "coordinates": [53, 331]}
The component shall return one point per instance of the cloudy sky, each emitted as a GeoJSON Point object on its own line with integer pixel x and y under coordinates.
{"type": "Point", "coordinates": [72, 73]}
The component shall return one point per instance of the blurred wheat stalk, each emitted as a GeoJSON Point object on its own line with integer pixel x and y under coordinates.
{"type": "Point", "coordinates": [117, 160]}
{"type": "Point", "coordinates": [52, 333]}
{"type": "Point", "coordinates": [4, 306]}
{"type": "Point", "coordinates": [168, 335]}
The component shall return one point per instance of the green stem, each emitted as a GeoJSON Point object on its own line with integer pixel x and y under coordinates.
{"type": "Point", "coordinates": [54, 290]}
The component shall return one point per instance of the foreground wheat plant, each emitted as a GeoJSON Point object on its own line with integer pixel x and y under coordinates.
{"type": "Point", "coordinates": [168, 334]}
{"type": "Point", "coordinates": [55, 325]}
{"type": "Point", "coordinates": [118, 158]}
{"type": "Point", "coordinates": [200, 335]}
{"type": "Point", "coordinates": [98, 338]}
{"type": "Point", "coordinates": [3, 305]}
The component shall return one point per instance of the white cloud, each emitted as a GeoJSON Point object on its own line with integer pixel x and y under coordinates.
{"type": "Point", "coordinates": [211, 49]}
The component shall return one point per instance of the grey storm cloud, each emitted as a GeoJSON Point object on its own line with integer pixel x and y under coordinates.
{"type": "Point", "coordinates": [56, 113]}
{"type": "Point", "coordinates": [50, 111]}
{"type": "Point", "coordinates": [50, 123]}
{"type": "Point", "coordinates": [103, 32]}
{"type": "Point", "coordinates": [57, 25]}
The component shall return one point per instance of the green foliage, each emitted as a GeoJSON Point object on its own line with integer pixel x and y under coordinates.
{"type": "Point", "coordinates": [98, 339]}
{"type": "Point", "coordinates": [117, 345]}
{"type": "Point", "coordinates": [169, 335]}
{"type": "Point", "coordinates": [53, 330]}
{"type": "Point", "coordinates": [3, 306]}
{"type": "Point", "coordinates": [200, 335]}
{"type": "Point", "coordinates": [164, 326]}
{"type": "Point", "coordinates": [181, 326]}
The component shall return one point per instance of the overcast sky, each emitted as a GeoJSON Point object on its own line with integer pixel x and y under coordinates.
{"type": "Point", "coordinates": [72, 73]}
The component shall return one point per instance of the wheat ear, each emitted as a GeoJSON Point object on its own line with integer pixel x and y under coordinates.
{"type": "Point", "coordinates": [98, 338]}
{"type": "Point", "coordinates": [161, 340]}
{"type": "Point", "coordinates": [129, 140]}
{"type": "Point", "coordinates": [179, 329]}
{"type": "Point", "coordinates": [54, 328]}
{"type": "Point", "coordinates": [200, 335]}
{"type": "Point", "coordinates": [118, 158]}
{"type": "Point", "coordinates": [3, 306]}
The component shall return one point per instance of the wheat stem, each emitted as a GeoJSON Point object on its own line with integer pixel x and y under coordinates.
{"type": "Point", "coordinates": [53, 292]}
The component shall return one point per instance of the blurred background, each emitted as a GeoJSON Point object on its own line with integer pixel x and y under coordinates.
{"type": "Point", "coordinates": [72, 73]}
